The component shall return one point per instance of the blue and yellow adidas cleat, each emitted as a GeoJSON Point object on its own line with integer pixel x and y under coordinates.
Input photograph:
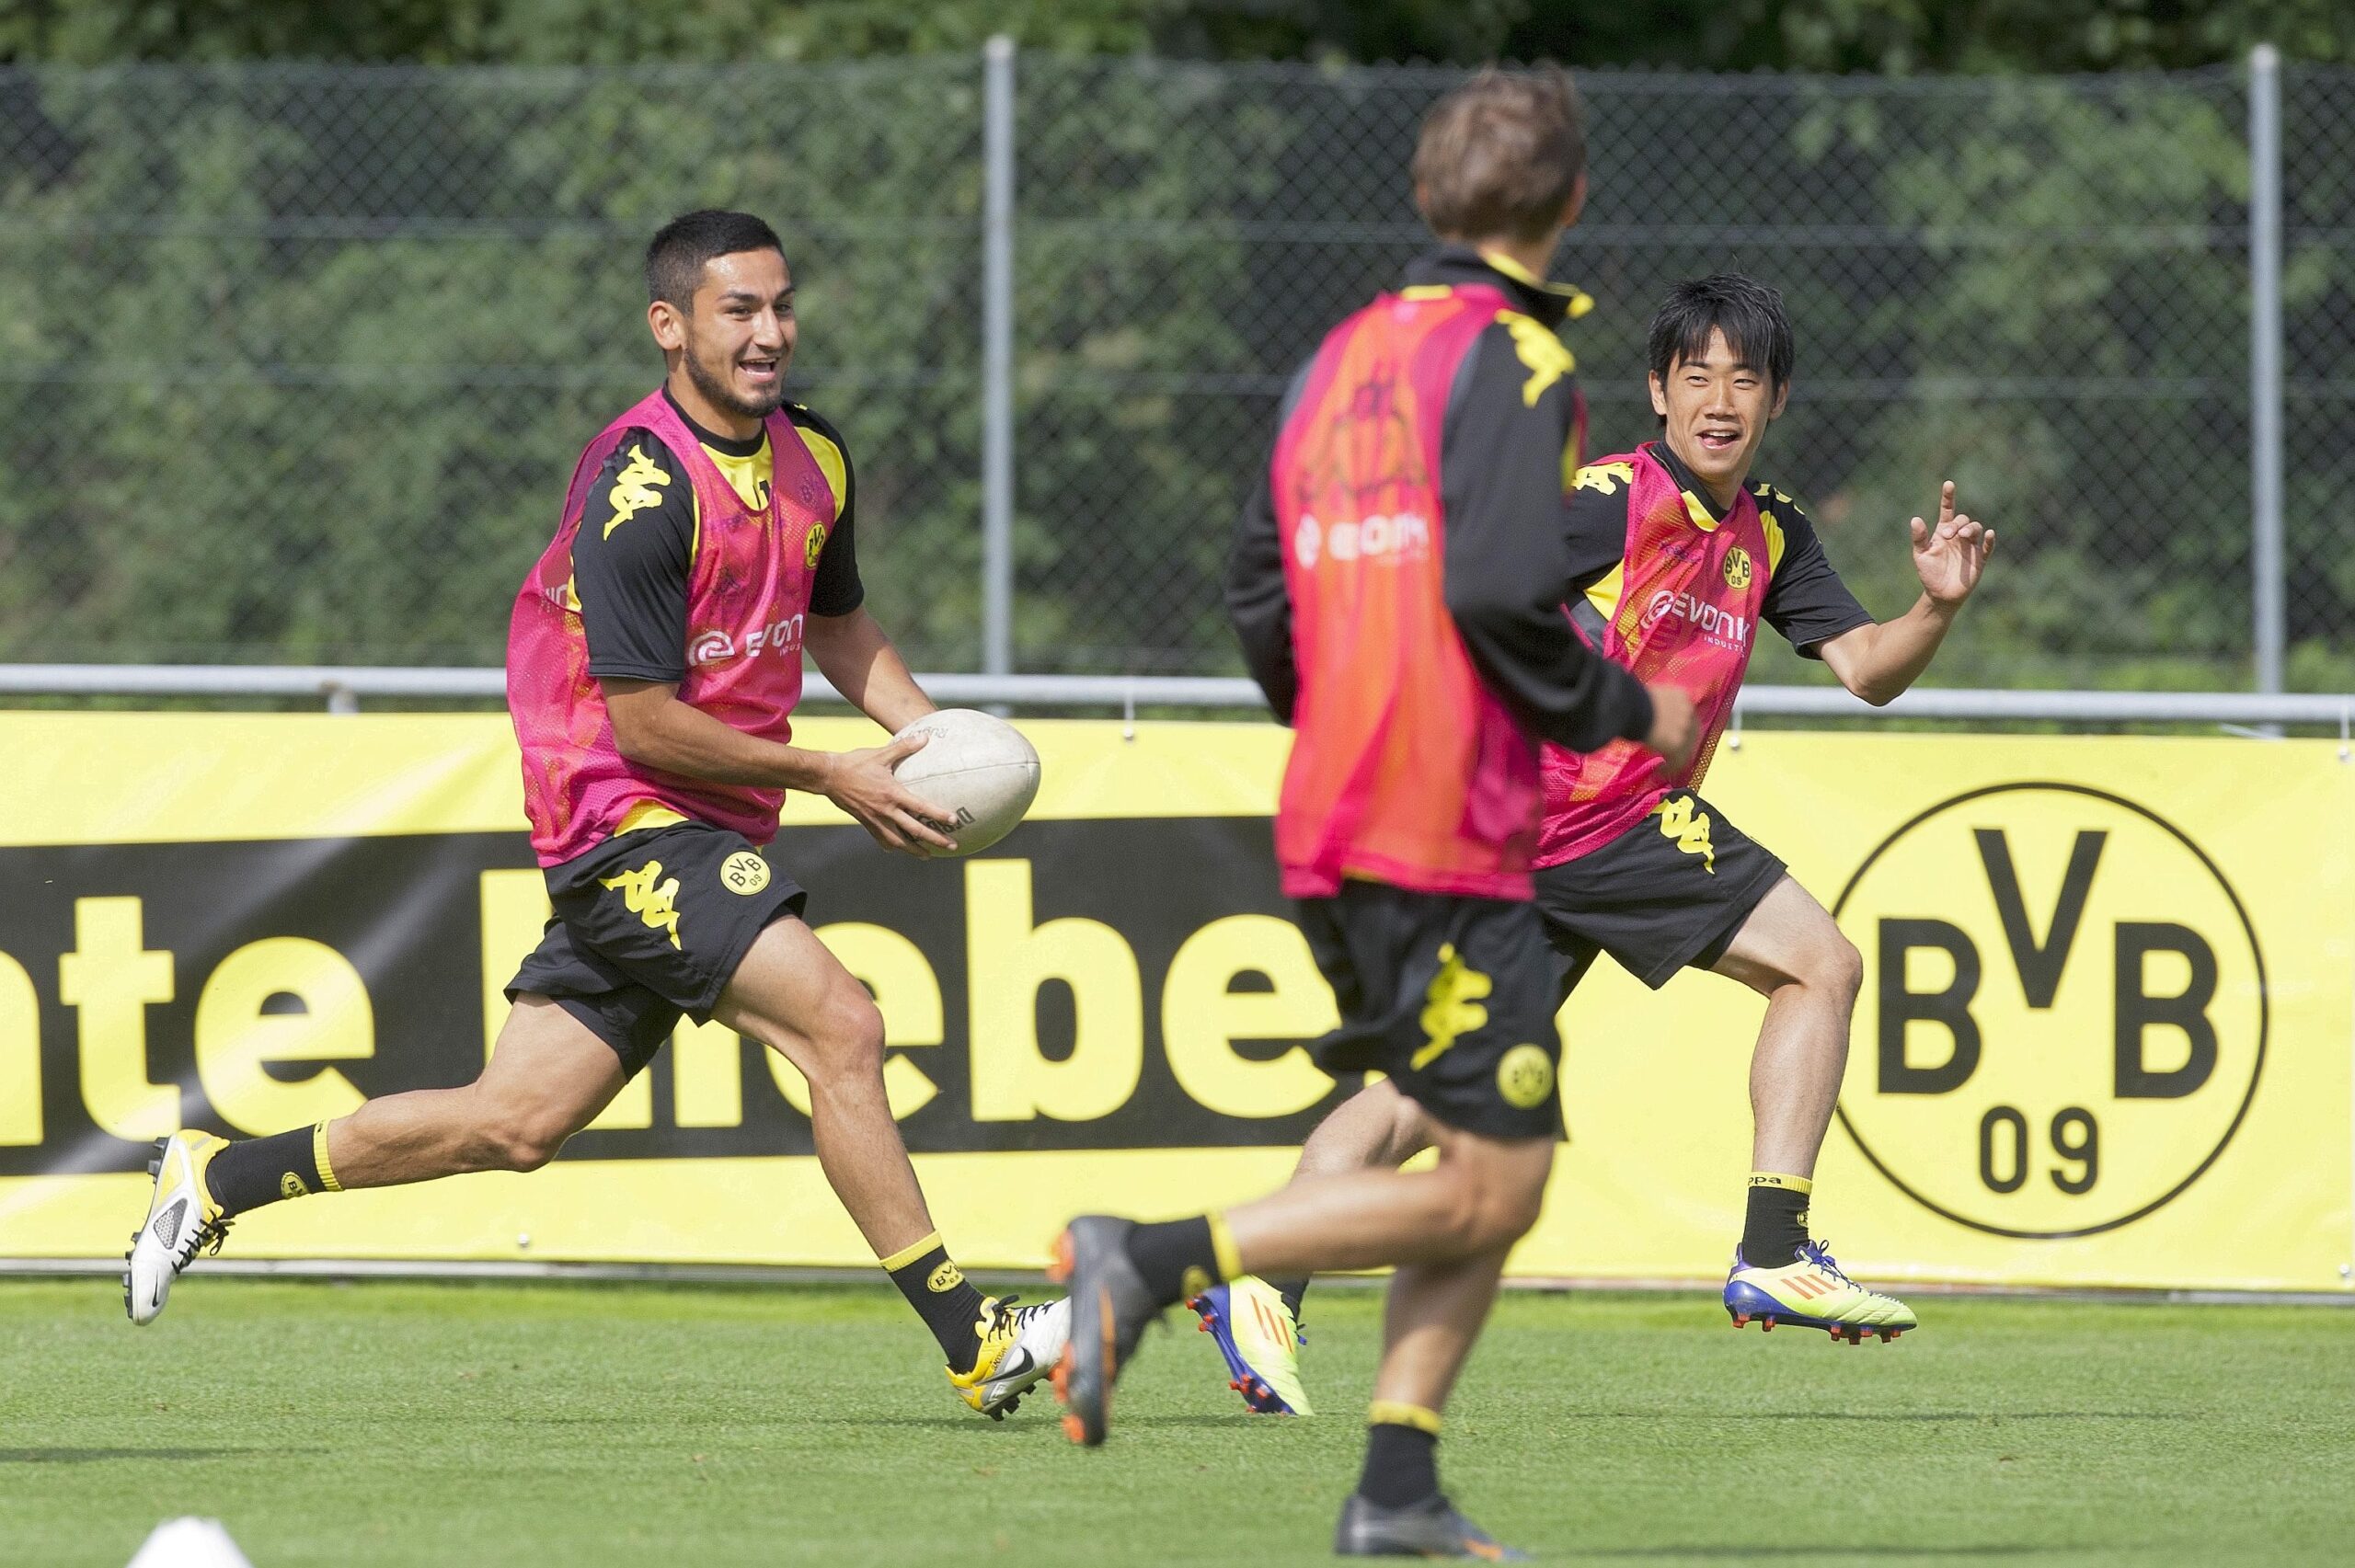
{"type": "Point", "coordinates": [1811, 1291]}
{"type": "Point", "coordinates": [1255, 1331]}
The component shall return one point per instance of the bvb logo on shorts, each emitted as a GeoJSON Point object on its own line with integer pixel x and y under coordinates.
{"type": "Point", "coordinates": [1525, 1077]}
{"type": "Point", "coordinates": [1737, 567]}
{"type": "Point", "coordinates": [744, 872]}
{"type": "Point", "coordinates": [2063, 1017]}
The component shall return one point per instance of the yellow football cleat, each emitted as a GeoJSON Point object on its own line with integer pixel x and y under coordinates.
{"type": "Point", "coordinates": [1257, 1335]}
{"type": "Point", "coordinates": [1020, 1345]}
{"type": "Point", "coordinates": [182, 1220]}
{"type": "Point", "coordinates": [1812, 1292]}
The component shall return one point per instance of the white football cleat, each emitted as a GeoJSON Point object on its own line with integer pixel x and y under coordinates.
{"type": "Point", "coordinates": [1019, 1347]}
{"type": "Point", "coordinates": [182, 1220]}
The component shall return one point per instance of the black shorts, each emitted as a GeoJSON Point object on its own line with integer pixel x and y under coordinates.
{"type": "Point", "coordinates": [1670, 893]}
{"type": "Point", "coordinates": [650, 925]}
{"type": "Point", "coordinates": [1452, 997]}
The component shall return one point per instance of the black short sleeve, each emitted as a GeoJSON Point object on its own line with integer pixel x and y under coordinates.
{"type": "Point", "coordinates": [1806, 601]}
{"type": "Point", "coordinates": [630, 560]}
{"type": "Point", "coordinates": [1594, 521]}
{"type": "Point", "coordinates": [837, 589]}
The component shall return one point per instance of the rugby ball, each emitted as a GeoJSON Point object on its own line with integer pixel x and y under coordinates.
{"type": "Point", "coordinates": [975, 771]}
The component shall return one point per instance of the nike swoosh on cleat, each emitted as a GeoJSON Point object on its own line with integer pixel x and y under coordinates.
{"type": "Point", "coordinates": [1004, 1372]}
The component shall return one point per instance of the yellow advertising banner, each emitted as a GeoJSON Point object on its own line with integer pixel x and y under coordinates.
{"type": "Point", "coordinates": [2103, 1036]}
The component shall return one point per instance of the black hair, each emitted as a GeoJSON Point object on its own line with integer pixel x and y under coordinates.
{"type": "Point", "coordinates": [1748, 312]}
{"type": "Point", "coordinates": [676, 255]}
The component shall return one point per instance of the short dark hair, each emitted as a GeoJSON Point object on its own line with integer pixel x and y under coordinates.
{"type": "Point", "coordinates": [1499, 156]}
{"type": "Point", "coordinates": [676, 255]}
{"type": "Point", "coordinates": [1748, 312]}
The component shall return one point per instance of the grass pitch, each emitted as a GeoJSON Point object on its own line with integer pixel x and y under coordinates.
{"type": "Point", "coordinates": [583, 1425]}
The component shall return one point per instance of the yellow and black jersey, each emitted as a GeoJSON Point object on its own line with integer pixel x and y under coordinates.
{"type": "Point", "coordinates": [632, 582]}
{"type": "Point", "coordinates": [1806, 601]}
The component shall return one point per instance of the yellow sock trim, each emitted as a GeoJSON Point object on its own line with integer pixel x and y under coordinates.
{"type": "Point", "coordinates": [1798, 1184]}
{"type": "Point", "coordinates": [1391, 1413]}
{"type": "Point", "coordinates": [909, 1254]}
{"type": "Point", "coordinates": [320, 1156]}
{"type": "Point", "coordinates": [1229, 1262]}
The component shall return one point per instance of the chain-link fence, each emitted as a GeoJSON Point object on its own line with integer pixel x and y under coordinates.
{"type": "Point", "coordinates": [293, 362]}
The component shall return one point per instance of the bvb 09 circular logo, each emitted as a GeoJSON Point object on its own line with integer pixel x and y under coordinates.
{"type": "Point", "coordinates": [2063, 1017]}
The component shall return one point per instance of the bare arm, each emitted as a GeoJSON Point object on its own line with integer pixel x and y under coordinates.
{"type": "Point", "coordinates": [855, 655]}
{"type": "Point", "coordinates": [654, 729]}
{"type": "Point", "coordinates": [1878, 661]}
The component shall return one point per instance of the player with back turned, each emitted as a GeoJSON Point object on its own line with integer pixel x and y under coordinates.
{"type": "Point", "coordinates": [1398, 584]}
{"type": "Point", "coordinates": [654, 661]}
{"type": "Point", "coordinates": [1678, 556]}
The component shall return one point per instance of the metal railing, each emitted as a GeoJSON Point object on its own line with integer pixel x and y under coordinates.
{"type": "Point", "coordinates": [342, 689]}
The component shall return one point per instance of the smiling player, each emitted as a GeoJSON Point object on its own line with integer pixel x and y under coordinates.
{"type": "Point", "coordinates": [1678, 556]}
{"type": "Point", "coordinates": [654, 660]}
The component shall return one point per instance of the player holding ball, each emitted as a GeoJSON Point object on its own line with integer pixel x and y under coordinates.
{"type": "Point", "coordinates": [654, 660]}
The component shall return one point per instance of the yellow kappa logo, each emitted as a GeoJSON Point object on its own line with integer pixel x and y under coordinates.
{"type": "Point", "coordinates": [1452, 1005]}
{"type": "Point", "coordinates": [654, 902]}
{"type": "Point", "coordinates": [814, 546]}
{"type": "Point", "coordinates": [637, 487]}
{"type": "Point", "coordinates": [1605, 478]}
{"type": "Point", "coordinates": [1525, 1077]}
{"type": "Point", "coordinates": [1688, 827]}
{"type": "Point", "coordinates": [744, 872]}
{"type": "Point", "coordinates": [1540, 350]}
{"type": "Point", "coordinates": [1737, 567]}
{"type": "Point", "coordinates": [947, 1277]}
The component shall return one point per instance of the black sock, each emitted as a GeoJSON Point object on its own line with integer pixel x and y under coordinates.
{"type": "Point", "coordinates": [1401, 1461]}
{"type": "Point", "coordinates": [1293, 1291]}
{"type": "Point", "coordinates": [1178, 1258]}
{"type": "Point", "coordinates": [255, 1171]}
{"type": "Point", "coordinates": [937, 1290]}
{"type": "Point", "coordinates": [1776, 1224]}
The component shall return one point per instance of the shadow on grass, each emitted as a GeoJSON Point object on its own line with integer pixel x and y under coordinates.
{"type": "Point", "coordinates": [1791, 1416]}
{"type": "Point", "coordinates": [1744, 1552]}
{"type": "Point", "coordinates": [100, 1455]}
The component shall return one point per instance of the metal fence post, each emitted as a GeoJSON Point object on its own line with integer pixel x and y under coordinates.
{"type": "Point", "coordinates": [2265, 358]}
{"type": "Point", "coordinates": [997, 355]}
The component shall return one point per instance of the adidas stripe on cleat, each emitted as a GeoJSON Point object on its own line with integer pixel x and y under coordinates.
{"type": "Point", "coordinates": [1255, 1333]}
{"type": "Point", "coordinates": [1811, 1291]}
{"type": "Point", "coordinates": [182, 1220]}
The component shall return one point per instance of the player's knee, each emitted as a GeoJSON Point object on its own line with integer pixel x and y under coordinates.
{"type": "Point", "coordinates": [848, 1037]}
{"type": "Point", "coordinates": [1494, 1203]}
{"type": "Point", "coordinates": [1410, 1132]}
{"type": "Point", "coordinates": [518, 1143]}
{"type": "Point", "coordinates": [1841, 969]}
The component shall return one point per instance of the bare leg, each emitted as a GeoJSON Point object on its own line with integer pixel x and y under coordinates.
{"type": "Point", "coordinates": [795, 996]}
{"type": "Point", "coordinates": [1483, 1195]}
{"type": "Point", "coordinates": [1377, 1127]}
{"type": "Point", "coordinates": [1434, 1314]}
{"type": "Point", "coordinates": [1791, 951]}
{"type": "Point", "coordinates": [547, 1078]}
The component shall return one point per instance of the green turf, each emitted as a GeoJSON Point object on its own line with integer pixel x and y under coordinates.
{"type": "Point", "coordinates": [395, 1424]}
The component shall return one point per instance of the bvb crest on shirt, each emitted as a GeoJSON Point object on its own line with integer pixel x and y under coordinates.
{"type": "Point", "coordinates": [813, 545]}
{"type": "Point", "coordinates": [1737, 568]}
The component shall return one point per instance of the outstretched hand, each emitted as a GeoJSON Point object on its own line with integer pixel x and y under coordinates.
{"type": "Point", "coordinates": [1949, 557]}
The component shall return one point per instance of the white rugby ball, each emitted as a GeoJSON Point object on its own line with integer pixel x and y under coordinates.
{"type": "Point", "coordinates": [976, 770]}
